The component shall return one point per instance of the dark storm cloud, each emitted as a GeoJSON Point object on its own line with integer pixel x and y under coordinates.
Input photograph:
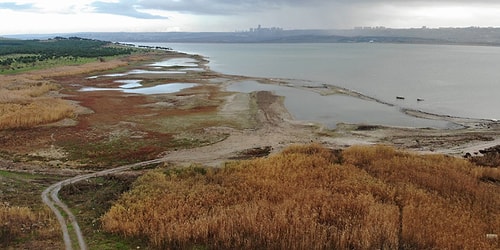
{"type": "Point", "coordinates": [128, 8]}
{"type": "Point", "coordinates": [15, 6]}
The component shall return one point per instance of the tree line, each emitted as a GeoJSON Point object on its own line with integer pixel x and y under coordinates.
{"type": "Point", "coordinates": [31, 51]}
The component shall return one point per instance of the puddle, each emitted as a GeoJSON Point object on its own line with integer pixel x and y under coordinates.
{"type": "Point", "coordinates": [138, 72]}
{"type": "Point", "coordinates": [158, 89]}
{"type": "Point", "coordinates": [193, 69]}
{"type": "Point", "coordinates": [189, 64]}
{"type": "Point", "coordinates": [141, 71]}
{"type": "Point", "coordinates": [176, 62]}
{"type": "Point", "coordinates": [161, 89]}
{"type": "Point", "coordinates": [108, 75]}
{"type": "Point", "coordinates": [90, 89]}
{"type": "Point", "coordinates": [130, 84]}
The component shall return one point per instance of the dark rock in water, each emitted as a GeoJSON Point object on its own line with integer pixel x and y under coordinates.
{"type": "Point", "coordinates": [400, 97]}
{"type": "Point", "coordinates": [420, 99]}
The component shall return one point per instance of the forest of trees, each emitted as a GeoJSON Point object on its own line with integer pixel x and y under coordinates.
{"type": "Point", "coordinates": [32, 51]}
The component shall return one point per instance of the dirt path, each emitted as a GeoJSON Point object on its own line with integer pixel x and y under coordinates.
{"type": "Point", "coordinates": [51, 199]}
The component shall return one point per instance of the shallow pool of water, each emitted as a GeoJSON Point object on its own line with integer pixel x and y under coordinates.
{"type": "Point", "coordinates": [176, 62]}
{"type": "Point", "coordinates": [333, 109]}
{"type": "Point", "coordinates": [141, 71]}
{"type": "Point", "coordinates": [158, 89]}
{"type": "Point", "coordinates": [161, 89]}
{"type": "Point", "coordinates": [129, 84]}
{"type": "Point", "coordinates": [138, 72]}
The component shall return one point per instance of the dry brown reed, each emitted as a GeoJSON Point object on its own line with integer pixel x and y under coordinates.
{"type": "Point", "coordinates": [38, 111]}
{"type": "Point", "coordinates": [308, 197]}
{"type": "Point", "coordinates": [24, 103]}
{"type": "Point", "coordinates": [488, 174]}
{"type": "Point", "coordinates": [22, 223]}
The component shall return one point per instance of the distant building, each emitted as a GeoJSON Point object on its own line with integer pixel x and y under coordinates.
{"type": "Point", "coordinates": [261, 30]}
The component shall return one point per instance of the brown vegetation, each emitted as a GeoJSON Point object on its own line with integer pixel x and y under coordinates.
{"type": "Point", "coordinates": [23, 97]}
{"type": "Point", "coordinates": [18, 223]}
{"type": "Point", "coordinates": [37, 112]}
{"type": "Point", "coordinates": [309, 197]}
{"type": "Point", "coordinates": [490, 157]}
{"type": "Point", "coordinates": [24, 104]}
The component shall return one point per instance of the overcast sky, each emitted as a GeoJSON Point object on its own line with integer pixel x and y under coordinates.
{"type": "Point", "coordinates": [52, 16]}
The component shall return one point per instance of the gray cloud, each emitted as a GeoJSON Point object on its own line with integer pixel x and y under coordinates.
{"type": "Point", "coordinates": [228, 7]}
{"type": "Point", "coordinates": [128, 8]}
{"type": "Point", "coordinates": [224, 7]}
{"type": "Point", "coordinates": [15, 6]}
{"type": "Point", "coordinates": [331, 13]}
{"type": "Point", "coordinates": [234, 7]}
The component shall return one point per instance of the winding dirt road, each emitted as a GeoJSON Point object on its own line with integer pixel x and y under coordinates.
{"type": "Point", "coordinates": [51, 199]}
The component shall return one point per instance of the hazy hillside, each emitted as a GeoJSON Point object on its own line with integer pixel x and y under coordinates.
{"type": "Point", "coordinates": [471, 35]}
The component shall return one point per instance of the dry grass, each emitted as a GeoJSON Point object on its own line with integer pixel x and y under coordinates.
{"type": "Point", "coordinates": [23, 97]}
{"type": "Point", "coordinates": [22, 93]}
{"type": "Point", "coordinates": [24, 104]}
{"type": "Point", "coordinates": [488, 160]}
{"type": "Point", "coordinates": [308, 197]}
{"type": "Point", "coordinates": [18, 224]}
{"type": "Point", "coordinates": [444, 200]}
{"type": "Point", "coordinates": [39, 111]}
{"type": "Point", "coordinates": [488, 174]}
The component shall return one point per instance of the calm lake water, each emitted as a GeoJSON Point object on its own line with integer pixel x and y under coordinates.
{"type": "Point", "coordinates": [460, 81]}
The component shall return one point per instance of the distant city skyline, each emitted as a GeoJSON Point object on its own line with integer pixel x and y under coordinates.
{"type": "Point", "coordinates": [65, 16]}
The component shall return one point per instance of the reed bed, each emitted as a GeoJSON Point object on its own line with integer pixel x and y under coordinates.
{"type": "Point", "coordinates": [17, 224]}
{"type": "Point", "coordinates": [37, 112]}
{"type": "Point", "coordinates": [309, 197]}
{"type": "Point", "coordinates": [25, 104]}
{"type": "Point", "coordinates": [24, 93]}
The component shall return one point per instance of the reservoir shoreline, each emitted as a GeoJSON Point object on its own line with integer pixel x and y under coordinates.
{"type": "Point", "coordinates": [216, 123]}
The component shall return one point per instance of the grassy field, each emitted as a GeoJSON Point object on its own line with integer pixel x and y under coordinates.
{"type": "Point", "coordinates": [309, 197]}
